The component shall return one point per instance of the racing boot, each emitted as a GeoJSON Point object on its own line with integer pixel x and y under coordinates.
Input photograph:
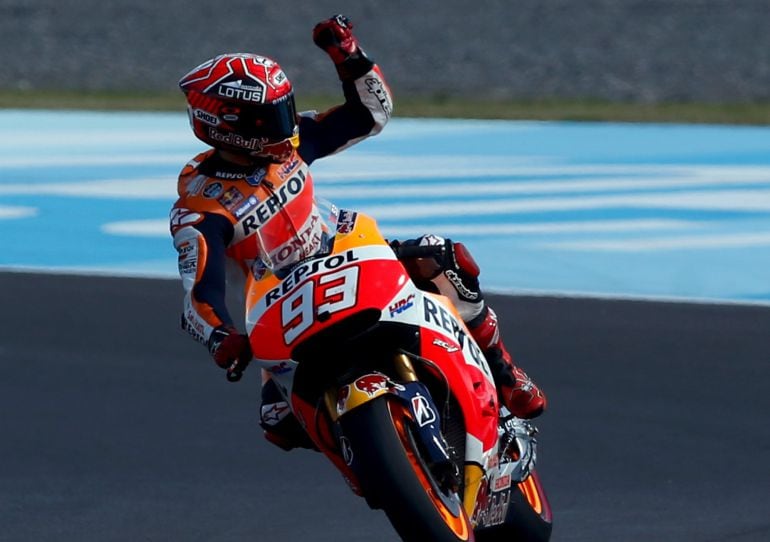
{"type": "Point", "coordinates": [515, 389]}
{"type": "Point", "coordinates": [280, 425]}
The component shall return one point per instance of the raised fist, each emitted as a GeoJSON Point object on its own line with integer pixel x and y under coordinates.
{"type": "Point", "coordinates": [335, 36]}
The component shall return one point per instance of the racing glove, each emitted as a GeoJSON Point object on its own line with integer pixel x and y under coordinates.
{"type": "Point", "coordinates": [335, 37]}
{"type": "Point", "coordinates": [430, 255]}
{"type": "Point", "coordinates": [230, 350]}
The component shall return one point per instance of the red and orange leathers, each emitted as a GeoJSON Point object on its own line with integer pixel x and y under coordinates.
{"type": "Point", "coordinates": [228, 217]}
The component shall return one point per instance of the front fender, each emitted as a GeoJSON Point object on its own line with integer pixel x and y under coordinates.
{"type": "Point", "coordinates": [363, 389]}
{"type": "Point", "coordinates": [413, 395]}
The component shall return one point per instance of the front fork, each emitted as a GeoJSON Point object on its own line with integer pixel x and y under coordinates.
{"type": "Point", "coordinates": [412, 394]}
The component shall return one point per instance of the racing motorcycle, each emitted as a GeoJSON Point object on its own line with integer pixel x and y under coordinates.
{"type": "Point", "coordinates": [391, 387]}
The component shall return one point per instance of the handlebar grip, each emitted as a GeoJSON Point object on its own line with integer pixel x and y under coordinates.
{"type": "Point", "coordinates": [234, 374]}
{"type": "Point", "coordinates": [419, 251]}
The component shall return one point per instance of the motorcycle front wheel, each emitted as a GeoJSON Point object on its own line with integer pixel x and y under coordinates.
{"type": "Point", "coordinates": [395, 476]}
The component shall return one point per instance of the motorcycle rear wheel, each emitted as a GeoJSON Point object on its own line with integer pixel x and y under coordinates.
{"type": "Point", "coordinates": [395, 477]}
{"type": "Point", "coordinates": [528, 519]}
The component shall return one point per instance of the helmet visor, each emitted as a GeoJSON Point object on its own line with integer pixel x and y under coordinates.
{"type": "Point", "coordinates": [276, 121]}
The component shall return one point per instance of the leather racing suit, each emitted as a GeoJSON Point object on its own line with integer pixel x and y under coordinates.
{"type": "Point", "coordinates": [222, 206]}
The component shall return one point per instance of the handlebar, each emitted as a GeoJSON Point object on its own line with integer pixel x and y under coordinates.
{"type": "Point", "coordinates": [234, 375]}
{"type": "Point", "coordinates": [418, 251]}
{"type": "Point", "coordinates": [235, 371]}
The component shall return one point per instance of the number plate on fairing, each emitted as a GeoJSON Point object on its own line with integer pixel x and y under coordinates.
{"type": "Point", "coordinates": [317, 294]}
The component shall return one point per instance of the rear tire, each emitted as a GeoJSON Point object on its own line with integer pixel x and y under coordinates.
{"type": "Point", "coordinates": [393, 475]}
{"type": "Point", "coordinates": [528, 518]}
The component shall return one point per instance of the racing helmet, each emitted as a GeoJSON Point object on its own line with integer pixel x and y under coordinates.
{"type": "Point", "coordinates": [242, 103]}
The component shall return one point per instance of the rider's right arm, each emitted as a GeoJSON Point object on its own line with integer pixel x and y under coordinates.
{"type": "Point", "coordinates": [201, 247]}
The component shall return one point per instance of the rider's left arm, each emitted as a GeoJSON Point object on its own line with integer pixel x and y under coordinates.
{"type": "Point", "coordinates": [368, 101]}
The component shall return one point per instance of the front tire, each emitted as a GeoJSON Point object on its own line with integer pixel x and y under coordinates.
{"type": "Point", "coordinates": [394, 476]}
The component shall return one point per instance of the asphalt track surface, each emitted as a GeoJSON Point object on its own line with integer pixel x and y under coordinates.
{"type": "Point", "coordinates": [115, 426]}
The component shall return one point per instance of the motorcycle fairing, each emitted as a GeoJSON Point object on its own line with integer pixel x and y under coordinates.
{"type": "Point", "coordinates": [446, 341]}
{"type": "Point", "coordinates": [363, 273]}
{"type": "Point", "coordinates": [316, 295]}
{"type": "Point", "coordinates": [436, 313]}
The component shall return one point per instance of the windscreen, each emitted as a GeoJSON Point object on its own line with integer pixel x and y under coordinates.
{"type": "Point", "coordinates": [303, 229]}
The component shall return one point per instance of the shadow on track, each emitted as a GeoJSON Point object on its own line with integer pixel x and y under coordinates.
{"type": "Point", "coordinates": [116, 426]}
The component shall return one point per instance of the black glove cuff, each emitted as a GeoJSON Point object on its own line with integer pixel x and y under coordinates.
{"type": "Point", "coordinates": [216, 338]}
{"type": "Point", "coordinates": [355, 66]}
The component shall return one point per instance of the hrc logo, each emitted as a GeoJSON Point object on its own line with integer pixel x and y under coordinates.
{"type": "Point", "coordinates": [401, 305]}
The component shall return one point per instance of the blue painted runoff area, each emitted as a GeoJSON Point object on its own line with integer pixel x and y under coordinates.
{"type": "Point", "coordinates": [597, 209]}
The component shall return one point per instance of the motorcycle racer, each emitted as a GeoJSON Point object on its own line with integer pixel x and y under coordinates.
{"type": "Point", "coordinates": [239, 200]}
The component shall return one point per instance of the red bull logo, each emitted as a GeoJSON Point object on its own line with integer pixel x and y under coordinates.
{"type": "Point", "coordinates": [372, 384]}
{"type": "Point", "coordinates": [230, 198]}
{"type": "Point", "coordinates": [482, 501]}
{"type": "Point", "coordinates": [491, 508]}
